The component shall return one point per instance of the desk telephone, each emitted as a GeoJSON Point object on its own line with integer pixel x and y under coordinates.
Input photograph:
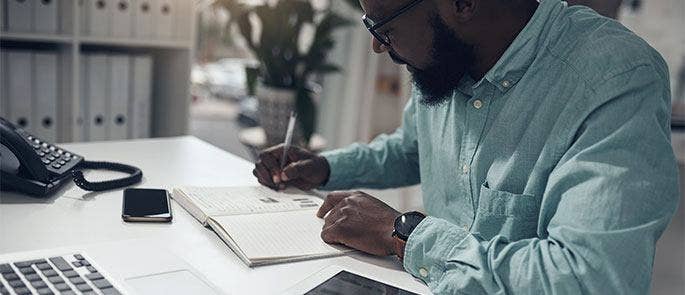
{"type": "Point", "coordinates": [35, 167]}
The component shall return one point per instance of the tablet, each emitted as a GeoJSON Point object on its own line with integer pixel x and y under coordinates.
{"type": "Point", "coordinates": [336, 280]}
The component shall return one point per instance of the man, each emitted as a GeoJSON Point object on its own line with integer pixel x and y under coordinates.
{"type": "Point", "coordinates": [540, 136]}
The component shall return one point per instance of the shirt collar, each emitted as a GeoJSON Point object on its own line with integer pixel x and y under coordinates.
{"type": "Point", "coordinates": [520, 54]}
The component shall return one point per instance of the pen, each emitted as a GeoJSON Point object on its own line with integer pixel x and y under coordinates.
{"type": "Point", "coordinates": [288, 138]}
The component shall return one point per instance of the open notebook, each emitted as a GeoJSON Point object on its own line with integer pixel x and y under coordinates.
{"type": "Point", "coordinates": [260, 225]}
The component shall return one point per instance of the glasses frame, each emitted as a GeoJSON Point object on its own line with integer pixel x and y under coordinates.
{"type": "Point", "coordinates": [372, 26]}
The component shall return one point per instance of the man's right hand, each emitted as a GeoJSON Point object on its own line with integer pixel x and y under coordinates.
{"type": "Point", "coordinates": [303, 169]}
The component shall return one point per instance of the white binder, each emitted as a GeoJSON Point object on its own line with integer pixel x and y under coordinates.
{"type": "Point", "coordinates": [99, 17]}
{"type": "Point", "coordinates": [19, 15]}
{"type": "Point", "coordinates": [164, 19]}
{"type": "Point", "coordinates": [84, 18]}
{"type": "Point", "coordinates": [19, 90]}
{"type": "Point", "coordinates": [45, 16]}
{"type": "Point", "coordinates": [45, 95]}
{"type": "Point", "coordinates": [144, 18]}
{"type": "Point", "coordinates": [96, 97]}
{"type": "Point", "coordinates": [141, 97]}
{"type": "Point", "coordinates": [79, 126]}
{"type": "Point", "coordinates": [3, 84]}
{"type": "Point", "coordinates": [122, 18]}
{"type": "Point", "coordinates": [118, 119]}
{"type": "Point", "coordinates": [184, 14]}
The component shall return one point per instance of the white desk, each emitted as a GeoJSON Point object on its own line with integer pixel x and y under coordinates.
{"type": "Point", "coordinates": [74, 217]}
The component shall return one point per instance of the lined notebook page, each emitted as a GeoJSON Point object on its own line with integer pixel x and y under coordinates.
{"type": "Point", "coordinates": [276, 235]}
{"type": "Point", "coordinates": [216, 201]}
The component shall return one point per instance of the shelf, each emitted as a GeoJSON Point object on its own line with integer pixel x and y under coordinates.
{"type": "Point", "coordinates": [99, 41]}
{"type": "Point", "coordinates": [33, 37]}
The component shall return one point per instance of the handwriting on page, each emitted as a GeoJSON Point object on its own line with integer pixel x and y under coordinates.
{"type": "Point", "coordinates": [247, 200]}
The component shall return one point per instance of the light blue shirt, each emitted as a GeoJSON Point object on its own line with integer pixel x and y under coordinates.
{"type": "Point", "coordinates": [553, 174]}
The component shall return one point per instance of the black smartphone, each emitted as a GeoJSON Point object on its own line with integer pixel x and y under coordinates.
{"type": "Point", "coordinates": [146, 205]}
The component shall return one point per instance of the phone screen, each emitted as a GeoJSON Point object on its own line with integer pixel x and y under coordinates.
{"type": "Point", "coordinates": [348, 283]}
{"type": "Point", "coordinates": [146, 204]}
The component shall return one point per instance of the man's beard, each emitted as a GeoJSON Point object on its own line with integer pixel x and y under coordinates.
{"type": "Point", "coordinates": [451, 59]}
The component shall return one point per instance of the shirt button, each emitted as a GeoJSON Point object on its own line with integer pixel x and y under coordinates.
{"type": "Point", "coordinates": [506, 83]}
{"type": "Point", "coordinates": [477, 104]}
{"type": "Point", "coordinates": [466, 227]}
{"type": "Point", "coordinates": [465, 168]}
{"type": "Point", "coordinates": [423, 272]}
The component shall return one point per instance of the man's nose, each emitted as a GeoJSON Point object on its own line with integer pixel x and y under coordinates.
{"type": "Point", "coordinates": [377, 46]}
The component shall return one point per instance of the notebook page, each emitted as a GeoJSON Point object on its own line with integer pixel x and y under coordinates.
{"type": "Point", "coordinates": [277, 235]}
{"type": "Point", "coordinates": [216, 201]}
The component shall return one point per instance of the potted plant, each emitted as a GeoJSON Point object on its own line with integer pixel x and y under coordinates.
{"type": "Point", "coordinates": [287, 71]}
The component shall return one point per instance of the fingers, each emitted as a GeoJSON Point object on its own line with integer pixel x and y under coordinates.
{"type": "Point", "coordinates": [268, 168]}
{"type": "Point", "coordinates": [331, 201]}
{"type": "Point", "coordinates": [271, 165]}
{"type": "Point", "coordinates": [263, 176]}
{"type": "Point", "coordinates": [295, 170]}
{"type": "Point", "coordinates": [330, 233]}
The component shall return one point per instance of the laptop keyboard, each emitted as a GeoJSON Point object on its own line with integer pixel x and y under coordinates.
{"type": "Point", "coordinates": [67, 274]}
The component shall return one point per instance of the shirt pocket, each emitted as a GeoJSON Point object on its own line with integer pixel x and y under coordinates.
{"type": "Point", "coordinates": [514, 216]}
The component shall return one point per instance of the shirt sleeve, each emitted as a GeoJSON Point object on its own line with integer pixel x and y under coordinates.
{"type": "Point", "coordinates": [388, 161]}
{"type": "Point", "coordinates": [607, 202]}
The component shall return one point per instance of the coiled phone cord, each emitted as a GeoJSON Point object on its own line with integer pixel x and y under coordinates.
{"type": "Point", "coordinates": [135, 177]}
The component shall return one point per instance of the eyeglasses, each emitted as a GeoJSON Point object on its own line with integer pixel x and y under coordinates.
{"type": "Point", "coordinates": [372, 26]}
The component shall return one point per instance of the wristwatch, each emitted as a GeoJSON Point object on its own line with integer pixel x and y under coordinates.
{"type": "Point", "coordinates": [404, 226]}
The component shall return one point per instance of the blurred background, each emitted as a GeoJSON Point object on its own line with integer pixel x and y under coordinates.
{"type": "Point", "coordinates": [231, 71]}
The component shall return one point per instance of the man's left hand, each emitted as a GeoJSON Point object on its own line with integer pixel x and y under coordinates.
{"type": "Point", "coordinates": [359, 221]}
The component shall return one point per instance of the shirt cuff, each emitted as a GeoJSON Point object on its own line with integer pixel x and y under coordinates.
{"type": "Point", "coordinates": [431, 243]}
{"type": "Point", "coordinates": [339, 175]}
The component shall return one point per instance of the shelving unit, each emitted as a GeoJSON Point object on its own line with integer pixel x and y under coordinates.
{"type": "Point", "coordinates": [172, 59]}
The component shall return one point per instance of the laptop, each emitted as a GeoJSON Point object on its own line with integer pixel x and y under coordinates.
{"type": "Point", "coordinates": [127, 267]}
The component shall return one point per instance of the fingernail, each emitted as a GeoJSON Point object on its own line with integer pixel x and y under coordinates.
{"type": "Point", "coordinates": [276, 179]}
{"type": "Point", "coordinates": [284, 177]}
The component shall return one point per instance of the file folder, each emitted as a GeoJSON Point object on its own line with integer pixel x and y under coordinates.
{"type": "Point", "coordinates": [96, 97]}
{"type": "Point", "coordinates": [143, 19]}
{"type": "Point", "coordinates": [19, 15]}
{"type": "Point", "coordinates": [141, 97]}
{"type": "Point", "coordinates": [184, 14]}
{"type": "Point", "coordinates": [122, 18]}
{"type": "Point", "coordinates": [45, 16]}
{"type": "Point", "coordinates": [98, 17]}
{"type": "Point", "coordinates": [84, 18]}
{"type": "Point", "coordinates": [79, 126]}
{"type": "Point", "coordinates": [45, 98]}
{"type": "Point", "coordinates": [164, 17]}
{"type": "Point", "coordinates": [118, 97]}
{"type": "Point", "coordinates": [3, 84]}
{"type": "Point", "coordinates": [19, 90]}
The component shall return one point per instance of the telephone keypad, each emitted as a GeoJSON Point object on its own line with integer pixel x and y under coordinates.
{"type": "Point", "coordinates": [56, 160]}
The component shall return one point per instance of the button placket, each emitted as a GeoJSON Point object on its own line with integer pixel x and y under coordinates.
{"type": "Point", "coordinates": [477, 114]}
{"type": "Point", "coordinates": [423, 272]}
{"type": "Point", "coordinates": [478, 104]}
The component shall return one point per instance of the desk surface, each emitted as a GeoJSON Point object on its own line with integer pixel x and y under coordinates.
{"type": "Point", "coordinates": [74, 217]}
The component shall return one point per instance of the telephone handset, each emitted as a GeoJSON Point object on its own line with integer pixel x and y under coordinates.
{"type": "Point", "coordinates": [32, 166]}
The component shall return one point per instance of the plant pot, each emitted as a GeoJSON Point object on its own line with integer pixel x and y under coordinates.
{"type": "Point", "coordinates": [273, 113]}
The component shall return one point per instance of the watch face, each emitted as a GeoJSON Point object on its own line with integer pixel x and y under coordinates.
{"type": "Point", "coordinates": [405, 224]}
